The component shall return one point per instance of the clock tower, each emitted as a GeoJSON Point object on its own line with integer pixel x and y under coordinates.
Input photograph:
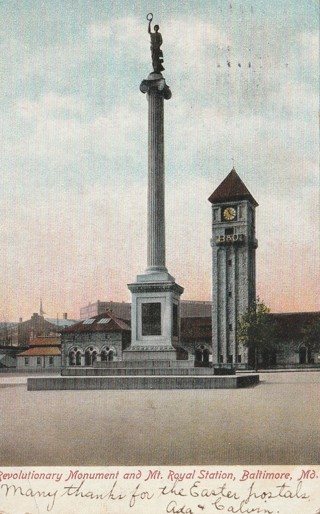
{"type": "Point", "coordinates": [233, 266]}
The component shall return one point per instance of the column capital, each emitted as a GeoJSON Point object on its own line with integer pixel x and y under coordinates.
{"type": "Point", "coordinates": [156, 82]}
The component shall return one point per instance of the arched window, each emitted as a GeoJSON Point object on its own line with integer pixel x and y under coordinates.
{"type": "Point", "coordinates": [107, 354]}
{"type": "Point", "coordinates": [90, 356]}
{"type": "Point", "coordinates": [78, 358]}
{"type": "Point", "coordinates": [72, 358]}
{"type": "Point", "coordinates": [104, 354]}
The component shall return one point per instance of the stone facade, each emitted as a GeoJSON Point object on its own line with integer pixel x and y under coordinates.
{"type": "Point", "coordinates": [94, 341]}
{"type": "Point", "coordinates": [290, 350]}
{"type": "Point", "coordinates": [196, 339]}
{"type": "Point", "coordinates": [158, 330]}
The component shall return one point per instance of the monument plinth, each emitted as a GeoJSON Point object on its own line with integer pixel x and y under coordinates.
{"type": "Point", "coordinates": [155, 314]}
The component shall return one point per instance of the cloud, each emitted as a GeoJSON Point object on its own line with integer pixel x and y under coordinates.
{"type": "Point", "coordinates": [49, 105]}
{"type": "Point", "coordinates": [74, 155]}
{"type": "Point", "coordinates": [60, 130]}
{"type": "Point", "coordinates": [310, 48]}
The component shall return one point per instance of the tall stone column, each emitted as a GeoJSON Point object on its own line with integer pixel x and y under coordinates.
{"type": "Point", "coordinates": [155, 308]}
{"type": "Point", "coordinates": [155, 313]}
{"type": "Point", "coordinates": [157, 90]}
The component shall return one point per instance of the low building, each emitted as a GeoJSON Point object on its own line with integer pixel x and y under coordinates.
{"type": "Point", "coordinates": [105, 336]}
{"type": "Point", "coordinates": [292, 350]}
{"type": "Point", "coordinates": [289, 351]}
{"type": "Point", "coordinates": [95, 340]}
{"type": "Point", "coordinates": [44, 353]}
{"type": "Point", "coordinates": [188, 309]}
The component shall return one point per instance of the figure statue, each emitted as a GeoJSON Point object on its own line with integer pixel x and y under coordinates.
{"type": "Point", "coordinates": [156, 42]}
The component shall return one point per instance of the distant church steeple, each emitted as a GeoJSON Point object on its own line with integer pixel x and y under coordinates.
{"type": "Point", "coordinates": [41, 311]}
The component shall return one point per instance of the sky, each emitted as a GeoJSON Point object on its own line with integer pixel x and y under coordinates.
{"type": "Point", "coordinates": [73, 179]}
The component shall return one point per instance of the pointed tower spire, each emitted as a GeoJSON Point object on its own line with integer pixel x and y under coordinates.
{"type": "Point", "coordinates": [232, 189]}
{"type": "Point", "coordinates": [41, 311]}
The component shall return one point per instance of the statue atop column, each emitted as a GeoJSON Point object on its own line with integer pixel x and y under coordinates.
{"type": "Point", "coordinates": [156, 42]}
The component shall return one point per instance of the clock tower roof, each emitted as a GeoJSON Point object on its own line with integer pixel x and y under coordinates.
{"type": "Point", "coordinates": [232, 189]}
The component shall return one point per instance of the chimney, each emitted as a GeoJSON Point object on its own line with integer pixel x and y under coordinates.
{"type": "Point", "coordinates": [65, 315]}
{"type": "Point", "coordinates": [20, 320]}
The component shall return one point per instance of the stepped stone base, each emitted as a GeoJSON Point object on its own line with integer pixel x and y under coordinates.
{"type": "Point", "coordinates": [143, 353]}
{"type": "Point", "coordinates": [132, 371]}
{"type": "Point", "coordinates": [141, 382]}
{"type": "Point", "coordinates": [135, 364]}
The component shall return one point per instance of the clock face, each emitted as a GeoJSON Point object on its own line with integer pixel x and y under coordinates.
{"type": "Point", "coordinates": [229, 213]}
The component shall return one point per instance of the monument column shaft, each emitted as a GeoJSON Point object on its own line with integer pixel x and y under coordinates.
{"type": "Point", "coordinates": [155, 313]}
{"type": "Point", "coordinates": [156, 189]}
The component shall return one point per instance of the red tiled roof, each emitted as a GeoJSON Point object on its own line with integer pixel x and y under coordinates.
{"type": "Point", "coordinates": [40, 351]}
{"type": "Point", "coordinates": [114, 325]}
{"type": "Point", "coordinates": [231, 189]}
{"type": "Point", "coordinates": [46, 341]}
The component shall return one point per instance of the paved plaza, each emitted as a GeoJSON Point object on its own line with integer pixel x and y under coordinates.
{"type": "Point", "coordinates": [276, 422]}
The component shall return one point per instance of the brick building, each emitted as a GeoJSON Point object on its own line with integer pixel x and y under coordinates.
{"type": "Point", "coordinates": [22, 333]}
{"type": "Point", "coordinates": [188, 309]}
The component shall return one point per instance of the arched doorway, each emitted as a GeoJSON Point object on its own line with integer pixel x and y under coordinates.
{"type": "Point", "coordinates": [303, 355]}
{"type": "Point", "coordinates": [202, 356]}
{"type": "Point", "coordinates": [205, 356]}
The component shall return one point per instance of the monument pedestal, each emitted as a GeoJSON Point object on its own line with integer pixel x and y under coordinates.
{"type": "Point", "coordinates": [155, 318]}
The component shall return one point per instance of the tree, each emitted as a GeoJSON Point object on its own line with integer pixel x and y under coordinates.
{"type": "Point", "coordinates": [311, 336]}
{"type": "Point", "coordinates": [256, 330]}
